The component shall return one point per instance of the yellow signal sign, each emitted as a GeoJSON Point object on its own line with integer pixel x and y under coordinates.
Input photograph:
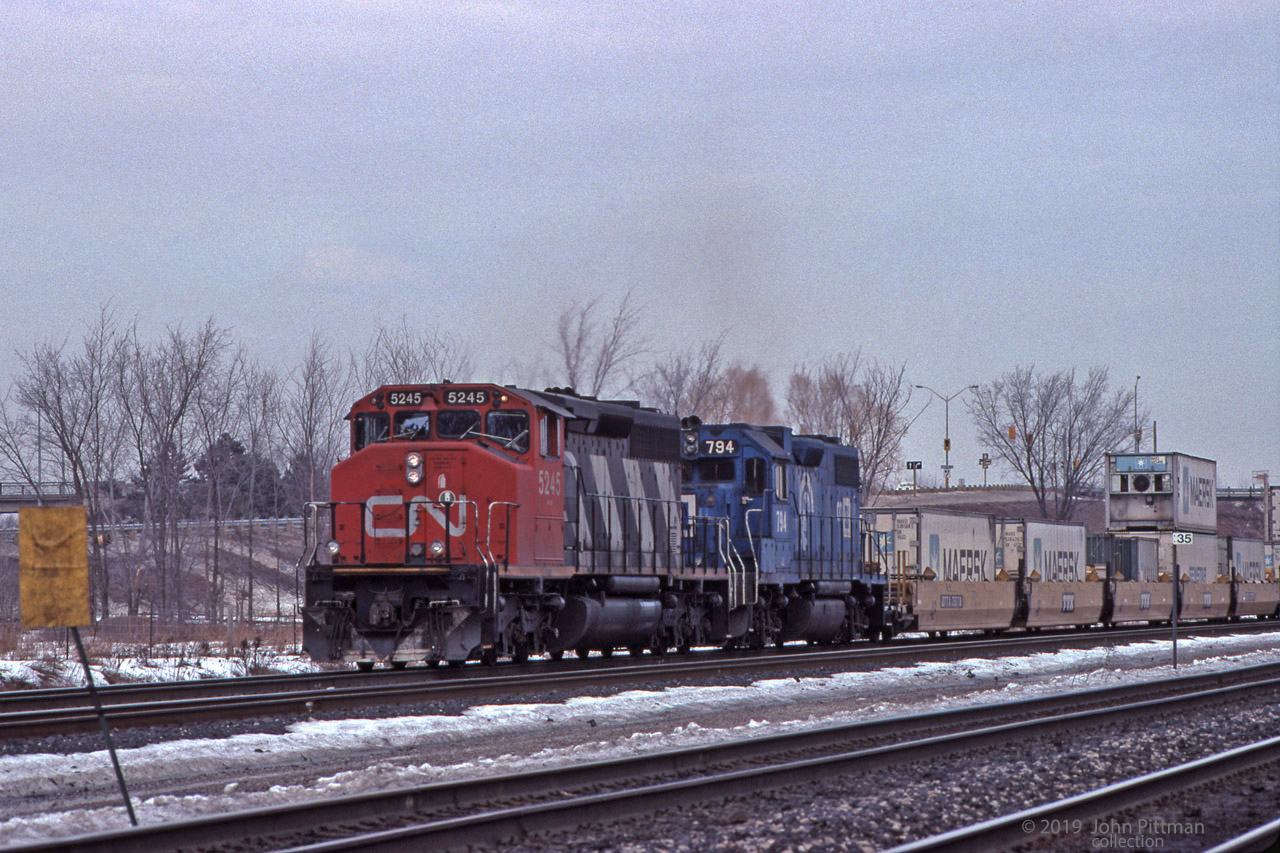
{"type": "Point", "coordinates": [53, 566]}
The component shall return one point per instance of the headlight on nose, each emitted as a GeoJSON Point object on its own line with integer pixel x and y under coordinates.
{"type": "Point", "coordinates": [437, 548]}
{"type": "Point", "coordinates": [413, 469]}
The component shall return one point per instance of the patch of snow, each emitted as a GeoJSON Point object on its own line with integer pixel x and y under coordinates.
{"type": "Point", "coordinates": [859, 696]}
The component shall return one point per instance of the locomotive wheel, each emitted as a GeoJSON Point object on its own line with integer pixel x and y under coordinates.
{"type": "Point", "coordinates": [607, 652]}
{"type": "Point", "coordinates": [399, 664]}
{"type": "Point", "coordinates": [582, 654]}
{"type": "Point", "coordinates": [489, 656]}
{"type": "Point", "coordinates": [364, 665]}
{"type": "Point", "coordinates": [433, 662]}
{"type": "Point", "coordinates": [635, 651]}
{"type": "Point", "coordinates": [658, 649]}
{"type": "Point", "coordinates": [558, 654]}
{"type": "Point", "coordinates": [520, 655]}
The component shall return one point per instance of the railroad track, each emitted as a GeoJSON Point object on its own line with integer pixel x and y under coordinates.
{"type": "Point", "coordinates": [489, 810]}
{"type": "Point", "coordinates": [1075, 816]}
{"type": "Point", "coordinates": [1264, 837]}
{"type": "Point", "coordinates": [66, 711]}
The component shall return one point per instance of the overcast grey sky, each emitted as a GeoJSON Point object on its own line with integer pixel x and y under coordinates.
{"type": "Point", "coordinates": [964, 187]}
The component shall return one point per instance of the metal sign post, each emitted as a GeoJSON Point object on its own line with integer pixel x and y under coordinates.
{"type": "Point", "coordinates": [913, 466]}
{"type": "Point", "coordinates": [53, 586]}
{"type": "Point", "coordinates": [1178, 539]}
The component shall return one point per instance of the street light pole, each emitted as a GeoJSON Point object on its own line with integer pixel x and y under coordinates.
{"type": "Point", "coordinates": [946, 442]}
{"type": "Point", "coordinates": [1137, 431]}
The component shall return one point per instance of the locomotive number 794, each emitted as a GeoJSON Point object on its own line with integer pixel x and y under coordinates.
{"type": "Point", "coordinates": [719, 447]}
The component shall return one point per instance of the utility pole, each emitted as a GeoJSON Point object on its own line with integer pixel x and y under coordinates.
{"type": "Point", "coordinates": [946, 441]}
{"type": "Point", "coordinates": [1137, 431]}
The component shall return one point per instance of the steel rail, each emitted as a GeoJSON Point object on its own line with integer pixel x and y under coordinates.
{"type": "Point", "coordinates": [1100, 802]}
{"type": "Point", "coordinates": [47, 703]}
{"type": "Point", "coordinates": [1046, 714]}
{"type": "Point", "coordinates": [1265, 837]}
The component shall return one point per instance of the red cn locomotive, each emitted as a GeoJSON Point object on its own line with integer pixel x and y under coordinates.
{"type": "Point", "coordinates": [480, 521]}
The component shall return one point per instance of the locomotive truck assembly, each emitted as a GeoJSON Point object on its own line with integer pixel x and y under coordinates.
{"type": "Point", "coordinates": [486, 521]}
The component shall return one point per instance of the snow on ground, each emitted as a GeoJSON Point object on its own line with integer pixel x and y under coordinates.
{"type": "Point", "coordinates": [845, 698]}
{"type": "Point", "coordinates": [129, 667]}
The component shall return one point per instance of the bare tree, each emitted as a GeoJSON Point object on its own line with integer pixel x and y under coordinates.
{"type": "Point", "coordinates": [1053, 430]}
{"type": "Point", "coordinates": [824, 398]}
{"type": "Point", "coordinates": [885, 397]}
{"type": "Point", "coordinates": [219, 414]}
{"type": "Point", "coordinates": [404, 354]}
{"type": "Point", "coordinates": [686, 382]}
{"type": "Point", "coordinates": [76, 416]}
{"type": "Point", "coordinates": [862, 405]}
{"type": "Point", "coordinates": [157, 385]}
{"type": "Point", "coordinates": [593, 348]}
{"type": "Point", "coordinates": [19, 440]}
{"type": "Point", "coordinates": [743, 395]}
{"type": "Point", "coordinates": [311, 425]}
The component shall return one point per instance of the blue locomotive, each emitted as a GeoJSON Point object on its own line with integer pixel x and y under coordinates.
{"type": "Point", "coordinates": [781, 511]}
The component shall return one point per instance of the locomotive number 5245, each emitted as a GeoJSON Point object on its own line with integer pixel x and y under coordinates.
{"type": "Point", "coordinates": [550, 482]}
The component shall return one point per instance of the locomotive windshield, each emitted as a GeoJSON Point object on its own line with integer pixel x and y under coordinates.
{"type": "Point", "coordinates": [412, 424]}
{"type": "Point", "coordinates": [457, 423]}
{"type": "Point", "coordinates": [715, 470]}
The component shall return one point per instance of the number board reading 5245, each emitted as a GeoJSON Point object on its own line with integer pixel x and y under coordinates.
{"type": "Point", "coordinates": [466, 398]}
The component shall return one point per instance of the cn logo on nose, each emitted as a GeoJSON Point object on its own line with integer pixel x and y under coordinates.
{"type": "Point", "coordinates": [417, 506]}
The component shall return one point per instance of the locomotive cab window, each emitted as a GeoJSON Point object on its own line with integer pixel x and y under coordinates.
{"type": "Point", "coordinates": [510, 427]}
{"type": "Point", "coordinates": [754, 470]}
{"type": "Point", "coordinates": [412, 424]}
{"type": "Point", "coordinates": [456, 423]}
{"type": "Point", "coordinates": [780, 481]}
{"type": "Point", "coordinates": [366, 428]}
{"type": "Point", "coordinates": [548, 434]}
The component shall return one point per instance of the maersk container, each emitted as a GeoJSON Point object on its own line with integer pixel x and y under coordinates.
{"type": "Point", "coordinates": [1257, 593]}
{"type": "Point", "coordinates": [1197, 562]}
{"type": "Point", "coordinates": [1051, 551]}
{"type": "Point", "coordinates": [1051, 560]}
{"type": "Point", "coordinates": [1246, 558]}
{"type": "Point", "coordinates": [1161, 491]}
{"type": "Point", "coordinates": [1205, 594]}
{"type": "Point", "coordinates": [1274, 533]}
{"type": "Point", "coordinates": [1137, 559]}
{"type": "Point", "coordinates": [941, 569]}
{"type": "Point", "coordinates": [934, 544]}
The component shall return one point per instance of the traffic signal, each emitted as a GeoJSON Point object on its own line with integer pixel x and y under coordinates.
{"type": "Point", "coordinates": [946, 445]}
